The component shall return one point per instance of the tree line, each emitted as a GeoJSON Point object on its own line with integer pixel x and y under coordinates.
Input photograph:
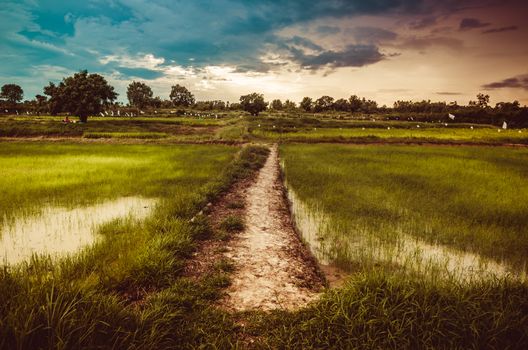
{"type": "Point", "coordinates": [84, 94]}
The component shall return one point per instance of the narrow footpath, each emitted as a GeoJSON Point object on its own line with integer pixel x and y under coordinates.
{"type": "Point", "coordinates": [273, 269]}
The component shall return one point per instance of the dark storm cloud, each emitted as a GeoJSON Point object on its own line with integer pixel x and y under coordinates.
{"type": "Point", "coordinates": [422, 43]}
{"type": "Point", "coordinates": [327, 30]}
{"type": "Point", "coordinates": [351, 56]}
{"type": "Point", "coordinates": [500, 30]}
{"type": "Point", "coordinates": [472, 23]}
{"type": "Point", "coordinates": [448, 93]}
{"type": "Point", "coordinates": [518, 82]}
{"type": "Point", "coordinates": [304, 42]}
{"type": "Point", "coordinates": [371, 34]}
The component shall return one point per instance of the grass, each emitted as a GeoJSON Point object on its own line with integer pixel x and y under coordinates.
{"type": "Point", "coordinates": [124, 135]}
{"type": "Point", "coordinates": [232, 223]}
{"type": "Point", "coordinates": [367, 197]}
{"type": "Point", "coordinates": [64, 174]}
{"type": "Point", "coordinates": [374, 311]}
{"type": "Point", "coordinates": [451, 134]}
{"type": "Point", "coordinates": [233, 127]}
{"type": "Point", "coordinates": [126, 291]}
{"type": "Point", "coordinates": [468, 198]}
{"type": "Point", "coordinates": [50, 126]}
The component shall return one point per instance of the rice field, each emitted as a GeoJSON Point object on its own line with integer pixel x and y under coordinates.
{"type": "Point", "coordinates": [370, 204]}
{"type": "Point", "coordinates": [433, 241]}
{"type": "Point", "coordinates": [81, 299]}
{"type": "Point", "coordinates": [389, 132]}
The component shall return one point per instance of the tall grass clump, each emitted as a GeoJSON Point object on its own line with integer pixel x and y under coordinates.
{"type": "Point", "coordinates": [376, 311]}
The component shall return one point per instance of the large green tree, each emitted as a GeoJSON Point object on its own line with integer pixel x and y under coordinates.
{"type": "Point", "coordinates": [181, 96]}
{"type": "Point", "coordinates": [12, 93]}
{"type": "Point", "coordinates": [306, 104]}
{"type": "Point", "coordinates": [82, 95]}
{"type": "Point", "coordinates": [139, 94]}
{"type": "Point", "coordinates": [253, 103]}
{"type": "Point", "coordinates": [324, 103]}
{"type": "Point", "coordinates": [276, 105]}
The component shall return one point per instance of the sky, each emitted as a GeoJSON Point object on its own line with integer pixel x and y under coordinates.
{"type": "Point", "coordinates": [385, 50]}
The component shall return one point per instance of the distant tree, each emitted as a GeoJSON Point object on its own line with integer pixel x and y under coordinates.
{"type": "Point", "coordinates": [253, 103]}
{"type": "Point", "coordinates": [181, 97]}
{"type": "Point", "coordinates": [155, 102]}
{"type": "Point", "coordinates": [210, 105]}
{"type": "Point", "coordinates": [12, 93]}
{"type": "Point", "coordinates": [139, 94]}
{"type": "Point", "coordinates": [324, 103]}
{"type": "Point", "coordinates": [508, 106]}
{"type": "Point", "coordinates": [483, 100]}
{"type": "Point", "coordinates": [354, 103]}
{"type": "Point", "coordinates": [289, 105]}
{"type": "Point", "coordinates": [234, 106]}
{"type": "Point", "coordinates": [276, 105]}
{"type": "Point", "coordinates": [368, 106]}
{"type": "Point", "coordinates": [166, 104]}
{"type": "Point", "coordinates": [82, 95]}
{"type": "Point", "coordinates": [341, 105]}
{"type": "Point", "coordinates": [306, 104]}
{"type": "Point", "coordinates": [41, 103]}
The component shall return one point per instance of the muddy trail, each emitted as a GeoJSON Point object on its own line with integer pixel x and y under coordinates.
{"type": "Point", "coordinates": [273, 268]}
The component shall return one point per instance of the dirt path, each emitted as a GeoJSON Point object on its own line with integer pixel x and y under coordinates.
{"type": "Point", "coordinates": [273, 268]}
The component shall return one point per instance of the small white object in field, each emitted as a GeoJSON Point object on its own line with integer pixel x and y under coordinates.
{"type": "Point", "coordinates": [17, 112]}
{"type": "Point", "coordinates": [445, 124]}
{"type": "Point", "coordinates": [451, 116]}
{"type": "Point", "coordinates": [141, 112]}
{"type": "Point", "coordinates": [156, 112]}
{"type": "Point", "coordinates": [388, 127]}
{"type": "Point", "coordinates": [362, 128]}
{"type": "Point", "coordinates": [499, 130]}
{"type": "Point", "coordinates": [417, 126]}
{"type": "Point", "coordinates": [471, 127]}
{"type": "Point", "coordinates": [259, 125]}
{"type": "Point", "coordinates": [315, 129]}
{"type": "Point", "coordinates": [6, 110]}
{"type": "Point", "coordinates": [119, 112]}
{"type": "Point", "coordinates": [504, 126]}
{"type": "Point", "coordinates": [273, 126]}
{"type": "Point", "coordinates": [520, 132]}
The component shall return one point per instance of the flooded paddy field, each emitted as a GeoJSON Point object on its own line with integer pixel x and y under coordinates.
{"type": "Point", "coordinates": [469, 200]}
{"type": "Point", "coordinates": [434, 241]}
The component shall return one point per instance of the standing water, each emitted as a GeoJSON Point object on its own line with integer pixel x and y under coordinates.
{"type": "Point", "coordinates": [327, 242]}
{"type": "Point", "coordinates": [57, 231]}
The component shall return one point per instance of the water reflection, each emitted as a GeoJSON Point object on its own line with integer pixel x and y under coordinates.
{"type": "Point", "coordinates": [329, 243]}
{"type": "Point", "coordinates": [57, 231]}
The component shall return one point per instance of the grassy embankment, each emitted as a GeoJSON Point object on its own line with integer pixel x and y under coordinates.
{"type": "Point", "coordinates": [232, 127]}
{"type": "Point", "coordinates": [313, 130]}
{"type": "Point", "coordinates": [175, 128]}
{"type": "Point", "coordinates": [125, 291]}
